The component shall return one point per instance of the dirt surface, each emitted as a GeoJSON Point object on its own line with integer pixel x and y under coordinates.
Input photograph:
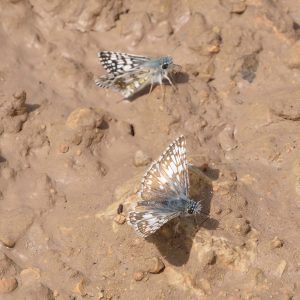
{"type": "Point", "coordinates": [70, 153]}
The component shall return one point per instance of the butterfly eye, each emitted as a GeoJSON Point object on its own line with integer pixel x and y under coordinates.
{"type": "Point", "coordinates": [191, 210]}
{"type": "Point", "coordinates": [165, 66]}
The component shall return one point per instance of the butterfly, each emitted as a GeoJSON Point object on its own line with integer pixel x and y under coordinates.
{"type": "Point", "coordinates": [164, 192]}
{"type": "Point", "coordinates": [129, 74]}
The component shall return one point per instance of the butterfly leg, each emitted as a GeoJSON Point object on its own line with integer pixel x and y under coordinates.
{"type": "Point", "coordinates": [151, 86]}
{"type": "Point", "coordinates": [170, 81]}
{"type": "Point", "coordinates": [176, 227]}
{"type": "Point", "coordinates": [163, 91]}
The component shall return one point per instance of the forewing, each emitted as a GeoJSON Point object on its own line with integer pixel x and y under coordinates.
{"type": "Point", "coordinates": [168, 176]}
{"type": "Point", "coordinates": [118, 63]}
{"type": "Point", "coordinates": [146, 220]}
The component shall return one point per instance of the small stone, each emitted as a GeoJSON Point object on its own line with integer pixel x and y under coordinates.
{"type": "Point", "coordinates": [226, 138]}
{"type": "Point", "coordinates": [243, 227]}
{"type": "Point", "coordinates": [55, 293]}
{"type": "Point", "coordinates": [201, 284]}
{"type": "Point", "coordinates": [205, 286]}
{"type": "Point", "coordinates": [218, 210]}
{"type": "Point", "coordinates": [77, 139]}
{"type": "Point", "coordinates": [13, 224]}
{"type": "Point", "coordinates": [256, 276]}
{"type": "Point", "coordinates": [52, 191]}
{"type": "Point", "coordinates": [80, 288]}
{"type": "Point", "coordinates": [7, 285]}
{"type": "Point", "coordinates": [8, 173]}
{"type": "Point", "coordinates": [228, 211]}
{"type": "Point", "coordinates": [120, 219]}
{"type": "Point", "coordinates": [207, 258]}
{"type": "Point", "coordinates": [156, 265]}
{"type": "Point", "coordinates": [30, 276]}
{"type": "Point", "coordinates": [85, 118]}
{"type": "Point", "coordinates": [238, 7]}
{"type": "Point", "coordinates": [141, 159]}
{"type": "Point", "coordinates": [281, 268]}
{"type": "Point", "coordinates": [63, 148]}
{"type": "Point", "coordinates": [8, 242]}
{"type": "Point", "coordinates": [276, 243]}
{"type": "Point", "coordinates": [20, 95]}
{"type": "Point", "coordinates": [293, 56]}
{"type": "Point", "coordinates": [120, 209]}
{"type": "Point", "coordinates": [138, 276]}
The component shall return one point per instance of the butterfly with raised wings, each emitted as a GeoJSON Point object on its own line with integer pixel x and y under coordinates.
{"type": "Point", "coordinates": [129, 73]}
{"type": "Point", "coordinates": [164, 192]}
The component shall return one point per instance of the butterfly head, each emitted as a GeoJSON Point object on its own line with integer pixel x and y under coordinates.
{"type": "Point", "coordinates": [166, 62]}
{"type": "Point", "coordinates": [193, 208]}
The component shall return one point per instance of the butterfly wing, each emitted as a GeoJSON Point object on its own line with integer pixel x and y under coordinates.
{"type": "Point", "coordinates": [118, 63]}
{"type": "Point", "coordinates": [167, 178]}
{"type": "Point", "coordinates": [146, 220]}
{"type": "Point", "coordinates": [128, 83]}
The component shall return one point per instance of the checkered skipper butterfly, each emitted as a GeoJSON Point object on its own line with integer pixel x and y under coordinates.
{"type": "Point", "coordinates": [129, 74]}
{"type": "Point", "coordinates": [164, 191]}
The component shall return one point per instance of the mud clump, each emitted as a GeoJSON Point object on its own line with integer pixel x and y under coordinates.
{"type": "Point", "coordinates": [7, 285]}
{"type": "Point", "coordinates": [13, 113]}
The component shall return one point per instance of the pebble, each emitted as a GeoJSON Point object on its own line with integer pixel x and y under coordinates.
{"type": "Point", "coordinates": [7, 285]}
{"type": "Point", "coordinates": [218, 210]}
{"type": "Point", "coordinates": [63, 148]}
{"type": "Point", "coordinates": [85, 118]}
{"type": "Point", "coordinates": [243, 227]}
{"type": "Point", "coordinates": [276, 243]}
{"type": "Point", "coordinates": [141, 159]}
{"type": "Point", "coordinates": [30, 276]}
{"type": "Point", "coordinates": [120, 209]}
{"type": "Point", "coordinates": [80, 288]}
{"type": "Point", "coordinates": [293, 56]}
{"type": "Point", "coordinates": [226, 138]}
{"type": "Point", "coordinates": [7, 241]}
{"type": "Point", "coordinates": [256, 276]}
{"type": "Point", "coordinates": [8, 173]}
{"type": "Point", "coordinates": [281, 268]}
{"type": "Point", "coordinates": [155, 265]}
{"type": "Point", "coordinates": [208, 258]}
{"type": "Point", "coordinates": [287, 108]}
{"type": "Point", "coordinates": [138, 276]}
{"type": "Point", "coordinates": [238, 7]}
{"type": "Point", "coordinates": [13, 224]}
{"type": "Point", "coordinates": [120, 219]}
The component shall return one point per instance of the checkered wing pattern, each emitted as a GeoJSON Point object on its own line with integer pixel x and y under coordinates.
{"type": "Point", "coordinates": [165, 180]}
{"type": "Point", "coordinates": [128, 83]}
{"type": "Point", "coordinates": [118, 63]}
{"type": "Point", "coordinates": [146, 220]}
{"type": "Point", "coordinates": [168, 176]}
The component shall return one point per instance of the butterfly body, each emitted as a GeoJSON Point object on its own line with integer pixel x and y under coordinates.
{"type": "Point", "coordinates": [164, 192]}
{"type": "Point", "coordinates": [129, 74]}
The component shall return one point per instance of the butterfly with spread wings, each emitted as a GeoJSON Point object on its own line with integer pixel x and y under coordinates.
{"type": "Point", "coordinates": [129, 74]}
{"type": "Point", "coordinates": [164, 192]}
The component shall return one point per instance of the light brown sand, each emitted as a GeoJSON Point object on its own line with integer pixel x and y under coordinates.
{"type": "Point", "coordinates": [67, 149]}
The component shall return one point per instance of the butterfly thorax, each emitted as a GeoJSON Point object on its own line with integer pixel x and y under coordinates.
{"type": "Point", "coordinates": [184, 205]}
{"type": "Point", "coordinates": [161, 63]}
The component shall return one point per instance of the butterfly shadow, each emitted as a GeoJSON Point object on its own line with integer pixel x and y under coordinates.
{"type": "Point", "coordinates": [175, 239]}
{"type": "Point", "coordinates": [32, 107]}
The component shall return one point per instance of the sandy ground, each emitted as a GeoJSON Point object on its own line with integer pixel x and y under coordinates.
{"type": "Point", "coordinates": [68, 150]}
